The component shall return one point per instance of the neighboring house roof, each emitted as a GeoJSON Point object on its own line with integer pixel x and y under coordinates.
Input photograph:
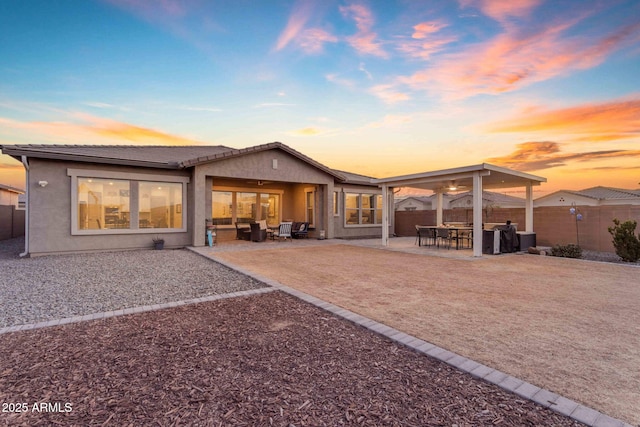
{"type": "Point", "coordinates": [11, 189]}
{"type": "Point", "coordinates": [168, 157]}
{"type": "Point", "coordinates": [490, 196]}
{"type": "Point", "coordinates": [608, 193]}
{"type": "Point", "coordinates": [598, 193]}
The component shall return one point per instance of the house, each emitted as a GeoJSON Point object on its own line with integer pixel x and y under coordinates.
{"type": "Point", "coordinates": [10, 196]}
{"type": "Point", "coordinates": [594, 196]}
{"type": "Point", "coordinates": [490, 199]}
{"type": "Point", "coordinates": [414, 203]}
{"type": "Point", "coordinates": [93, 198]}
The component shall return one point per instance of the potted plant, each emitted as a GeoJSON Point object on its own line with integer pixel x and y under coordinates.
{"type": "Point", "coordinates": [158, 243]}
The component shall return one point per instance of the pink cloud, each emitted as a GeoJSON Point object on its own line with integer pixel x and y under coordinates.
{"type": "Point", "coordinates": [425, 29]}
{"type": "Point", "coordinates": [512, 60]}
{"type": "Point", "coordinates": [365, 40]}
{"type": "Point", "coordinates": [295, 25]}
{"type": "Point", "coordinates": [500, 10]}
{"type": "Point", "coordinates": [388, 94]}
{"type": "Point", "coordinates": [313, 40]}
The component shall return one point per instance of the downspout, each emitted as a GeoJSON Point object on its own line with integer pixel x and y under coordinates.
{"type": "Point", "coordinates": [25, 163]}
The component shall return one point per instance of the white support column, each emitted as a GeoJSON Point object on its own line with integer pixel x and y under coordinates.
{"type": "Point", "coordinates": [528, 210]}
{"type": "Point", "coordinates": [385, 215]}
{"type": "Point", "coordinates": [477, 214]}
{"type": "Point", "coordinates": [439, 203]}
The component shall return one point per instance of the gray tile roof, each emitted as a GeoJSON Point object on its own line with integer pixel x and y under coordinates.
{"type": "Point", "coordinates": [149, 155]}
{"type": "Point", "coordinates": [608, 193]}
{"type": "Point", "coordinates": [169, 157]}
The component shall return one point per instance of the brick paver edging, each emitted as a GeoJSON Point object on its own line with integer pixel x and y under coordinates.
{"type": "Point", "coordinates": [131, 310]}
{"type": "Point", "coordinates": [528, 391]}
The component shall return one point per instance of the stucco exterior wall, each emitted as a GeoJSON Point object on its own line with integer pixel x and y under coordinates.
{"type": "Point", "coordinates": [49, 210]}
{"type": "Point", "coordinates": [343, 231]}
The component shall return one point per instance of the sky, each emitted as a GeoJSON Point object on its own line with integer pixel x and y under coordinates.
{"type": "Point", "coordinates": [381, 88]}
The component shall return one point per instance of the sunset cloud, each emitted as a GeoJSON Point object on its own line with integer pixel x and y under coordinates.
{"type": "Point", "coordinates": [500, 10]}
{"type": "Point", "coordinates": [85, 128]}
{"type": "Point", "coordinates": [308, 131]}
{"type": "Point", "coordinates": [312, 41]}
{"type": "Point", "coordinates": [389, 94]}
{"type": "Point", "coordinates": [597, 122]}
{"type": "Point", "coordinates": [297, 20]}
{"type": "Point", "coordinates": [365, 40]}
{"type": "Point", "coordinates": [516, 58]}
{"type": "Point", "coordinates": [535, 156]}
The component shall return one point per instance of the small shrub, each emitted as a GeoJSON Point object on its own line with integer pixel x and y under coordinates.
{"type": "Point", "coordinates": [567, 251]}
{"type": "Point", "coordinates": [625, 241]}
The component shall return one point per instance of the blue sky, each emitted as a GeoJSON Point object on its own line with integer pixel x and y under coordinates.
{"type": "Point", "coordinates": [374, 87]}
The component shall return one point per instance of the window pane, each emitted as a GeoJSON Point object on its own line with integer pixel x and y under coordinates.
{"type": "Point", "coordinates": [367, 201]}
{"type": "Point", "coordinates": [270, 208]}
{"type": "Point", "coordinates": [310, 208]}
{"type": "Point", "coordinates": [246, 207]}
{"type": "Point", "coordinates": [222, 203]}
{"type": "Point", "coordinates": [160, 205]}
{"type": "Point", "coordinates": [351, 201]}
{"type": "Point", "coordinates": [336, 209]}
{"type": "Point", "coordinates": [103, 204]}
{"type": "Point", "coordinates": [379, 209]}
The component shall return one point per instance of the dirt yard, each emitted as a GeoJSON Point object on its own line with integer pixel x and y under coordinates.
{"type": "Point", "coordinates": [570, 326]}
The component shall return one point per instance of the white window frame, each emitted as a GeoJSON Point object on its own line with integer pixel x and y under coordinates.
{"type": "Point", "coordinates": [360, 209]}
{"type": "Point", "coordinates": [314, 209]}
{"type": "Point", "coordinates": [133, 179]}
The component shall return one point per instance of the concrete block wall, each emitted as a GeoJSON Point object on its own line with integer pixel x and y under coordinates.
{"type": "Point", "coordinates": [11, 222]}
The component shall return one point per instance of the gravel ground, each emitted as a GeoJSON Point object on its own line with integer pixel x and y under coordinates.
{"type": "Point", "coordinates": [52, 287]}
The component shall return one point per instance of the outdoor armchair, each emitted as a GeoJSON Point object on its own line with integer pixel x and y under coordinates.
{"type": "Point", "coordinates": [284, 231]}
{"type": "Point", "coordinates": [300, 230]}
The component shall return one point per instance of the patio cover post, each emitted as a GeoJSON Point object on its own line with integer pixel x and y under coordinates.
{"type": "Point", "coordinates": [439, 203]}
{"type": "Point", "coordinates": [385, 215]}
{"type": "Point", "coordinates": [528, 209]}
{"type": "Point", "coordinates": [477, 214]}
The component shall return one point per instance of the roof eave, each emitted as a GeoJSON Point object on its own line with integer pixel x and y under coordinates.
{"type": "Point", "coordinates": [259, 148]}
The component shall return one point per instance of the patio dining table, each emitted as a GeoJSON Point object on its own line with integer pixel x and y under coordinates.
{"type": "Point", "coordinates": [454, 232]}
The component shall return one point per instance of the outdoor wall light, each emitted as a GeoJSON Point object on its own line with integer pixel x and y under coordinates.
{"type": "Point", "coordinates": [43, 183]}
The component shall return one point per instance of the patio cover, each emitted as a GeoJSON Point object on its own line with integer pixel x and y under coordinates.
{"type": "Point", "coordinates": [475, 177]}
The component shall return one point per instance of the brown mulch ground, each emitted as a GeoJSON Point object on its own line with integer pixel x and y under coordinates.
{"type": "Point", "coordinates": [255, 361]}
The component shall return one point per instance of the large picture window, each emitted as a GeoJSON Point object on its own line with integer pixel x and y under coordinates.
{"type": "Point", "coordinates": [160, 205]}
{"type": "Point", "coordinates": [103, 204]}
{"type": "Point", "coordinates": [363, 209]}
{"type": "Point", "coordinates": [111, 202]}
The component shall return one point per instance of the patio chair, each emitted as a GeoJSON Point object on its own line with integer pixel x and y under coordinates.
{"type": "Point", "coordinates": [284, 231]}
{"type": "Point", "coordinates": [465, 235]}
{"type": "Point", "coordinates": [300, 230]}
{"type": "Point", "coordinates": [443, 235]}
{"type": "Point", "coordinates": [243, 231]}
{"type": "Point", "coordinates": [426, 236]}
{"type": "Point", "coordinates": [259, 231]}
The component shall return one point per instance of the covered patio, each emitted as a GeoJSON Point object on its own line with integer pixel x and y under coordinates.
{"type": "Point", "coordinates": [475, 178]}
